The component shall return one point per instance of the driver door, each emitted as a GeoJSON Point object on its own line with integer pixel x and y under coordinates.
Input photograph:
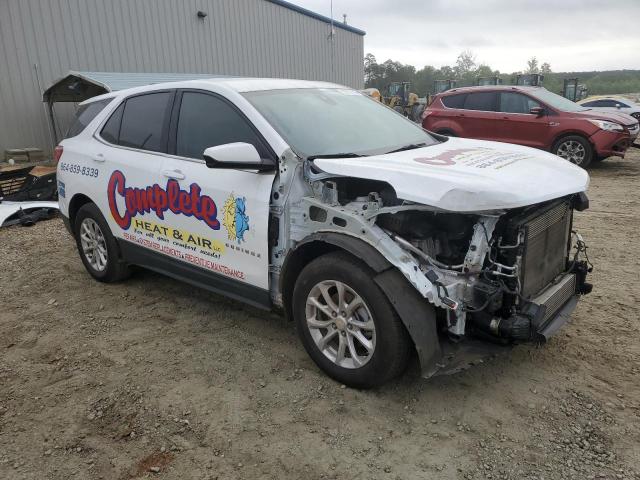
{"type": "Point", "coordinates": [516, 123]}
{"type": "Point", "coordinates": [220, 222]}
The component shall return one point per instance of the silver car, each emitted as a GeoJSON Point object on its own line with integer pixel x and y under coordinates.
{"type": "Point", "coordinates": [613, 104]}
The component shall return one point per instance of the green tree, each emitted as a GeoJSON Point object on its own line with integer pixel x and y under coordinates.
{"type": "Point", "coordinates": [465, 64]}
{"type": "Point", "coordinates": [532, 65]}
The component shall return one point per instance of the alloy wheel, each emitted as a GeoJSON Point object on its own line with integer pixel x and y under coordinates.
{"type": "Point", "coordinates": [573, 151]}
{"type": "Point", "coordinates": [94, 246]}
{"type": "Point", "coordinates": [340, 324]}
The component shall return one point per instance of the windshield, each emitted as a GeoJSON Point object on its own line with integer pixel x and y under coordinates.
{"type": "Point", "coordinates": [334, 121]}
{"type": "Point", "coordinates": [556, 101]}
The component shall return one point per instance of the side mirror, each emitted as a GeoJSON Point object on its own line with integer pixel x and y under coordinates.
{"type": "Point", "coordinates": [239, 156]}
{"type": "Point", "coordinates": [538, 111]}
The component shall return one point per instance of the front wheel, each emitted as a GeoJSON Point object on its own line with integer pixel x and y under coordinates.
{"type": "Point", "coordinates": [346, 323]}
{"type": "Point", "coordinates": [575, 149]}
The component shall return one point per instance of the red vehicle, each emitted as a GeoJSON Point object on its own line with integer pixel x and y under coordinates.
{"type": "Point", "coordinates": [534, 117]}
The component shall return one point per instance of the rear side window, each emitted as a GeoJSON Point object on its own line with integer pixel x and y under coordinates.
{"type": "Point", "coordinates": [111, 130]}
{"type": "Point", "coordinates": [484, 101]}
{"type": "Point", "coordinates": [590, 104]}
{"type": "Point", "coordinates": [511, 102]}
{"type": "Point", "coordinates": [454, 101]}
{"type": "Point", "coordinates": [140, 122]}
{"type": "Point", "coordinates": [208, 121]}
{"type": "Point", "coordinates": [84, 115]}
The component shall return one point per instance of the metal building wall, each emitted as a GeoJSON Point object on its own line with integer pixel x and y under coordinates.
{"type": "Point", "coordinates": [40, 40]}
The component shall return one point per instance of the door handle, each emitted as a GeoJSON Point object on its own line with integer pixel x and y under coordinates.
{"type": "Point", "coordinates": [174, 174]}
{"type": "Point", "coordinates": [98, 157]}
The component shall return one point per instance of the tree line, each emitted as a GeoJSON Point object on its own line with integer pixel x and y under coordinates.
{"type": "Point", "coordinates": [466, 70]}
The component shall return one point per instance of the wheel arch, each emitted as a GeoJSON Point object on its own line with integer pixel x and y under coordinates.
{"type": "Point", "coordinates": [571, 133]}
{"type": "Point", "coordinates": [317, 245]}
{"type": "Point", "coordinates": [77, 201]}
{"type": "Point", "coordinates": [416, 313]}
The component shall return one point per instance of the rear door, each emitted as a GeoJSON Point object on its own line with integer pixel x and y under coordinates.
{"type": "Point", "coordinates": [130, 155]}
{"type": "Point", "coordinates": [478, 116]}
{"type": "Point", "coordinates": [517, 125]}
{"type": "Point", "coordinates": [234, 245]}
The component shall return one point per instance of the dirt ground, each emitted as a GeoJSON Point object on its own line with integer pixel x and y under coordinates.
{"type": "Point", "coordinates": [154, 378]}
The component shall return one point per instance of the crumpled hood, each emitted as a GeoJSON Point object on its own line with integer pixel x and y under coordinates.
{"type": "Point", "coordinates": [464, 175]}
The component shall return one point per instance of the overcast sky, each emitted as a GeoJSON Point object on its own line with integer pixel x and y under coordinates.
{"type": "Point", "coordinates": [571, 35]}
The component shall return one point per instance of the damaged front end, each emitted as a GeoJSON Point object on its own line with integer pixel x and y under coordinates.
{"type": "Point", "coordinates": [488, 278]}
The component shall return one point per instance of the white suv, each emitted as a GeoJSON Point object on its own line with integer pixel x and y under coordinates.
{"type": "Point", "coordinates": [376, 237]}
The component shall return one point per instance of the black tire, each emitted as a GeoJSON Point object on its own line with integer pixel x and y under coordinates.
{"type": "Point", "coordinates": [392, 346]}
{"type": "Point", "coordinates": [565, 145]}
{"type": "Point", "coordinates": [598, 159]}
{"type": "Point", "coordinates": [115, 269]}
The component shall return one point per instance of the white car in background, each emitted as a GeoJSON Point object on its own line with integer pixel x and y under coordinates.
{"type": "Point", "coordinates": [613, 104]}
{"type": "Point", "coordinates": [373, 235]}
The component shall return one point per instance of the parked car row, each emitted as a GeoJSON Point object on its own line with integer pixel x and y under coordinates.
{"type": "Point", "coordinates": [534, 117]}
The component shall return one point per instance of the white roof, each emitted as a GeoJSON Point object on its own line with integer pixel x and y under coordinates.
{"type": "Point", "coordinates": [246, 84]}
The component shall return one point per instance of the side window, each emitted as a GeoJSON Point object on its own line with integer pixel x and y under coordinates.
{"type": "Point", "coordinates": [607, 103]}
{"type": "Point", "coordinates": [454, 101]}
{"type": "Point", "coordinates": [84, 115]}
{"type": "Point", "coordinates": [484, 101]}
{"type": "Point", "coordinates": [207, 121]}
{"type": "Point", "coordinates": [590, 104]}
{"type": "Point", "coordinates": [144, 120]}
{"type": "Point", "coordinates": [111, 130]}
{"type": "Point", "coordinates": [511, 102]}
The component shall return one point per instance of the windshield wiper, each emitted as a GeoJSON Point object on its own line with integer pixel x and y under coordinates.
{"type": "Point", "coordinates": [335, 155]}
{"type": "Point", "coordinates": [411, 146]}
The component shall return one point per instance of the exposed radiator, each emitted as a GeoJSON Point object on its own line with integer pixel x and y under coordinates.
{"type": "Point", "coordinates": [546, 248]}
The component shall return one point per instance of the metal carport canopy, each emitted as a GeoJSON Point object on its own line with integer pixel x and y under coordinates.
{"type": "Point", "coordinates": [80, 86]}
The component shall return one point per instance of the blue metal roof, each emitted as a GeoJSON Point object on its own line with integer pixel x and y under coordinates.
{"type": "Point", "coordinates": [114, 81]}
{"type": "Point", "coordinates": [317, 16]}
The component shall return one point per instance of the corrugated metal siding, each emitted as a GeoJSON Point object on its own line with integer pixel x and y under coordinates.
{"type": "Point", "coordinates": [40, 40]}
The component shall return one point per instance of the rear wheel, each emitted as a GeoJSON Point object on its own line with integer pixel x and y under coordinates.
{"type": "Point", "coordinates": [346, 323]}
{"type": "Point", "coordinates": [575, 149]}
{"type": "Point", "coordinates": [97, 246]}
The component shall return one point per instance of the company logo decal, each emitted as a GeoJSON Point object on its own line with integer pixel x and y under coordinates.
{"type": "Point", "coordinates": [157, 199]}
{"type": "Point", "coordinates": [443, 158]}
{"type": "Point", "coordinates": [479, 157]}
{"type": "Point", "coordinates": [235, 219]}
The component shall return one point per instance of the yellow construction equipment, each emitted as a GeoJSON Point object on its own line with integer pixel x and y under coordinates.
{"type": "Point", "coordinates": [397, 95]}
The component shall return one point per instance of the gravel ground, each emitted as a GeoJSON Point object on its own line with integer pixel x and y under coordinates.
{"type": "Point", "coordinates": [153, 378]}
